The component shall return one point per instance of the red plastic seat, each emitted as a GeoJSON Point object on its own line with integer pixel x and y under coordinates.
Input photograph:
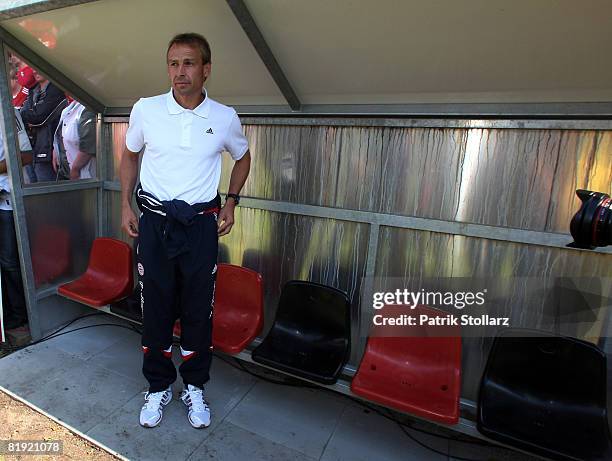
{"type": "Point", "coordinates": [109, 276]}
{"type": "Point", "coordinates": [238, 312]}
{"type": "Point", "coordinates": [420, 374]}
{"type": "Point", "coordinates": [50, 253]}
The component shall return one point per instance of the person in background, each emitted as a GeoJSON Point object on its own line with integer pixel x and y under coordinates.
{"type": "Point", "coordinates": [25, 76]}
{"type": "Point", "coordinates": [75, 143]}
{"type": "Point", "coordinates": [41, 112]}
{"type": "Point", "coordinates": [20, 93]}
{"type": "Point", "coordinates": [13, 299]}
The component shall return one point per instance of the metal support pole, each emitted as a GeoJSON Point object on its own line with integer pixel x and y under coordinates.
{"type": "Point", "coordinates": [101, 167]}
{"type": "Point", "coordinates": [13, 165]}
{"type": "Point", "coordinates": [250, 28]}
{"type": "Point", "coordinates": [368, 285]}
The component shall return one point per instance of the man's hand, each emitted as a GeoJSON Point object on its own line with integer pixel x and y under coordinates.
{"type": "Point", "coordinates": [226, 218]}
{"type": "Point", "coordinates": [55, 161]}
{"type": "Point", "coordinates": [76, 174]}
{"type": "Point", "coordinates": [129, 222]}
{"type": "Point", "coordinates": [240, 171]}
{"type": "Point", "coordinates": [128, 171]}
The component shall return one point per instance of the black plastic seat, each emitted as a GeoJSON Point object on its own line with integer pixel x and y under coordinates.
{"type": "Point", "coordinates": [546, 394]}
{"type": "Point", "coordinates": [310, 336]}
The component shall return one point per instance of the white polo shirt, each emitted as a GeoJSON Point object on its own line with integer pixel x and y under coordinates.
{"type": "Point", "coordinates": [24, 146]}
{"type": "Point", "coordinates": [183, 147]}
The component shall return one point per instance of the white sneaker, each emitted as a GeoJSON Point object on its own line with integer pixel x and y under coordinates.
{"type": "Point", "coordinates": [199, 413]}
{"type": "Point", "coordinates": [152, 411]}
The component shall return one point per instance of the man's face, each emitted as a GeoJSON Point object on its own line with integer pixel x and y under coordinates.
{"type": "Point", "coordinates": [38, 76]}
{"type": "Point", "coordinates": [186, 70]}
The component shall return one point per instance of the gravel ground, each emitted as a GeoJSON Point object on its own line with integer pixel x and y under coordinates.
{"type": "Point", "coordinates": [20, 422]}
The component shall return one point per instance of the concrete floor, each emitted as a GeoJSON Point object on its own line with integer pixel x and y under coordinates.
{"type": "Point", "coordinates": [91, 379]}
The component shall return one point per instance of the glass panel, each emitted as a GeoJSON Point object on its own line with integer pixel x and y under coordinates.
{"type": "Point", "coordinates": [61, 228]}
{"type": "Point", "coordinates": [62, 131]}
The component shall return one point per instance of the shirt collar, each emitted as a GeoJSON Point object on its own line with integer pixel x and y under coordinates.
{"type": "Point", "coordinates": [175, 108]}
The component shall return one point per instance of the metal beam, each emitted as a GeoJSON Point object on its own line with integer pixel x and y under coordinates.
{"type": "Point", "coordinates": [13, 167]}
{"type": "Point", "coordinates": [545, 110]}
{"type": "Point", "coordinates": [28, 7]}
{"type": "Point", "coordinates": [114, 186]}
{"type": "Point", "coordinates": [61, 186]}
{"type": "Point", "coordinates": [369, 122]}
{"type": "Point", "coordinates": [247, 22]}
{"type": "Point", "coordinates": [523, 124]}
{"type": "Point", "coordinates": [50, 71]}
{"type": "Point", "coordinates": [102, 154]}
{"type": "Point", "coordinates": [587, 116]}
{"type": "Point", "coordinates": [112, 112]}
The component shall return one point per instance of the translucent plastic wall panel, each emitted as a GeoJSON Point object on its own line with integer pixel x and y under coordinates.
{"type": "Point", "coordinates": [415, 255]}
{"type": "Point", "coordinates": [61, 227]}
{"type": "Point", "coordinates": [118, 145]}
{"type": "Point", "coordinates": [117, 140]}
{"type": "Point", "coordinates": [285, 247]}
{"type": "Point", "coordinates": [513, 178]}
{"type": "Point", "coordinates": [114, 217]}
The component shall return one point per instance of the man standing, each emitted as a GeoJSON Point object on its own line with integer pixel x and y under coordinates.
{"type": "Point", "coordinates": [74, 144]}
{"type": "Point", "coordinates": [41, 112]}
{"type": "Point", "coordinates": [183, 133]}
{"type": "Point", "coordinates": [13, 299]}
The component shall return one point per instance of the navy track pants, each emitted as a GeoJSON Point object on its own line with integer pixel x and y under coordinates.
{"type": "Point", "coordinates": [182, 287]}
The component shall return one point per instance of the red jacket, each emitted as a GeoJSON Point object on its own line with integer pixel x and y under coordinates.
{"type": "Point", "coordinates": [20, 97]}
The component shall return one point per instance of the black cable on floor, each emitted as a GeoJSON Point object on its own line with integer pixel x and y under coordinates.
{"type": "Point", "coordinates": [414, 439]}
{"type": "Point", "coordinates": [392, 418]}
{"type": "Point", "coordinates": [291, 382]}
{"type": "Point", "coordinates": [403, 426]}
{"type": "Point", "coordinates": [57, 333]}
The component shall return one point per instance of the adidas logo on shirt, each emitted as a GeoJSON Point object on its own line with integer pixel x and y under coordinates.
{"type": "Point", "coordinates": [209, 131]}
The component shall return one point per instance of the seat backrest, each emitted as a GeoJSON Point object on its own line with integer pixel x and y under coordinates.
{"type": "Point", "coordinates": [316, 308]}
{"type": "Point", "coordinates": [238, 289]}
{"type": "Point", "coordinates": [111, 257]}
{"type": "Point", "coordinates": [552, 367]}
{"type": "Point", "coordinates": [546, 394]}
